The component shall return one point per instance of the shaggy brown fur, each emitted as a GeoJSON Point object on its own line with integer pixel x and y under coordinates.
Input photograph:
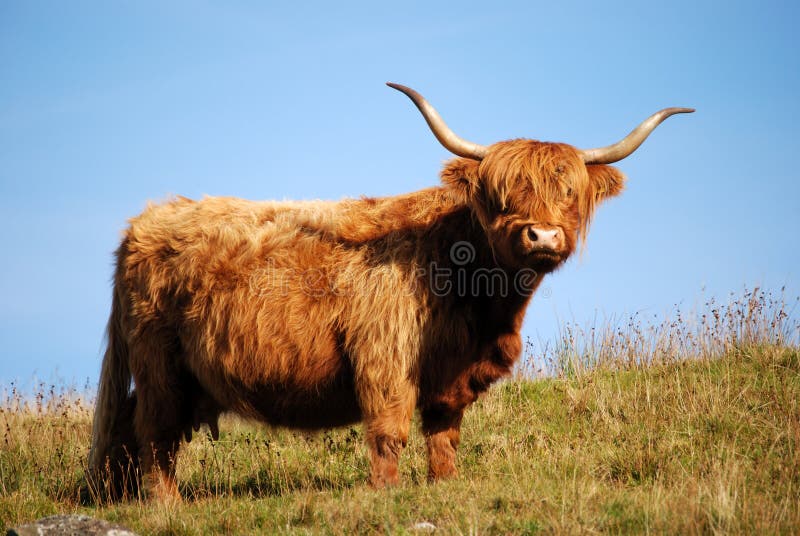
{"type": "Point", "coordinates": [321, 314]}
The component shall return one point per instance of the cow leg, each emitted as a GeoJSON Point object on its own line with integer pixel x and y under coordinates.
{"type": "Point", "coordinates": [158, 434]}
{"type": "Point", "coordinates": [123, 463]}
{"type": "Point", "coordinates": [441, 429]}
{"type": "Point", "coordinates": [442, 414]}
{"type": "Point", "coordinates": [387, 434]}
{"type": "Point", "coordinates": [158, 419]}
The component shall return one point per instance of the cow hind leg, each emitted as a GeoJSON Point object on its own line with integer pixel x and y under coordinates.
{"type": "Point", "coordinates": [116, 475]}
{"type": "Point", "coordinates": [122, 466]}
{"type": "Point", "coordinates": [159, 414]}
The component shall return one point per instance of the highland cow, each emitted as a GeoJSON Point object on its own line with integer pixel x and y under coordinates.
{"type": "Point", "coordinates": [318, 314]}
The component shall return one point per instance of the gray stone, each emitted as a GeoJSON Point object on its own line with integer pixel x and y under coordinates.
{"type": "Point", "coordinates": [64, 525]}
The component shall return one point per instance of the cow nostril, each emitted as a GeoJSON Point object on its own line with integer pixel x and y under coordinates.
{"type": "Point", "coordinates": [532, 236]}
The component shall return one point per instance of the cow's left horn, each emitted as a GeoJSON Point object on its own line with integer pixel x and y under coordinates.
{"type": "Point", "coordinates": [631, 142]}
{"type": "Point", "coordinates": [446, 137]}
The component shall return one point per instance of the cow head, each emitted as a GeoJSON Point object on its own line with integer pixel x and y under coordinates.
{"type": "Point", "coordinates": [533, 199]}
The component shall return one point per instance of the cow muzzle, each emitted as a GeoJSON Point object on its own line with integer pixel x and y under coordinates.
{"type": "Point", "coordinates": [537, 238]}
{"type": "Point", "coordinates": [543, 247]}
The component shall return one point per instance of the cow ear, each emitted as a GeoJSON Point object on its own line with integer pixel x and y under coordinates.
{"type": "Point", "coordinates": [607, 181]}
{"type": "Point", "coordinates": [461, 174]}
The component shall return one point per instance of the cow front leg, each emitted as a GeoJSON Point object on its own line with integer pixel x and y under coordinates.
{"type": "Point", "coordinates": [386, 431]}
{"type": "Point", "coordinates": [442, 431]}
{"type": "Point", "coordinates": [386, 439]}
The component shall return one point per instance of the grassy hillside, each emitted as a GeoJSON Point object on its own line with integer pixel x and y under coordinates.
{"type": "Point", "coordinates": [612, 440]}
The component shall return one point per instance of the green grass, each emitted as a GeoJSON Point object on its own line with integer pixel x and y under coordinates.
{"type": "Point", "coordinates": [701, 445]}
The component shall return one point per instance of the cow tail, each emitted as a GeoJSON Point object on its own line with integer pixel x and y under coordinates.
{"type": "Point", "coordinates": [113, 393]}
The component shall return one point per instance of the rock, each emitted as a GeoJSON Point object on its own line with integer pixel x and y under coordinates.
{"type": "Point", "coordinates": [65, 525]}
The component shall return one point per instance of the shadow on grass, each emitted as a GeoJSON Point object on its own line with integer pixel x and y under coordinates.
{"type": "Point", "coordinates": [266, 483]}
{"type": "Point", "coordinates": [262, 484]}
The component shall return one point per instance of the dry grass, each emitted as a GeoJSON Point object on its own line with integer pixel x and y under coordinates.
{"type": "Point", "coordinates": [711, 329]}
{"type": "Point", "coordinates": [691, 425]}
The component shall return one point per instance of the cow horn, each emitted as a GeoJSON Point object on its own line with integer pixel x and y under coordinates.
{"type": "Point", "coordinates": [446, 137]}
{"type": "Point", "coordinates": [631, 142]}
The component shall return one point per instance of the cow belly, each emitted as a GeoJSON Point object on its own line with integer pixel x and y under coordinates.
{"type": "Point", "coordinates": [305, 407]}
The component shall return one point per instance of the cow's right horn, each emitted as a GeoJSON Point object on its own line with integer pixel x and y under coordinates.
{"type": "Point", "coordinates": [446, 137]}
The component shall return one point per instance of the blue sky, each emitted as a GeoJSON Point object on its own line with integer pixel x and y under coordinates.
{"type": "Point", "coordinates": [106, 105]}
